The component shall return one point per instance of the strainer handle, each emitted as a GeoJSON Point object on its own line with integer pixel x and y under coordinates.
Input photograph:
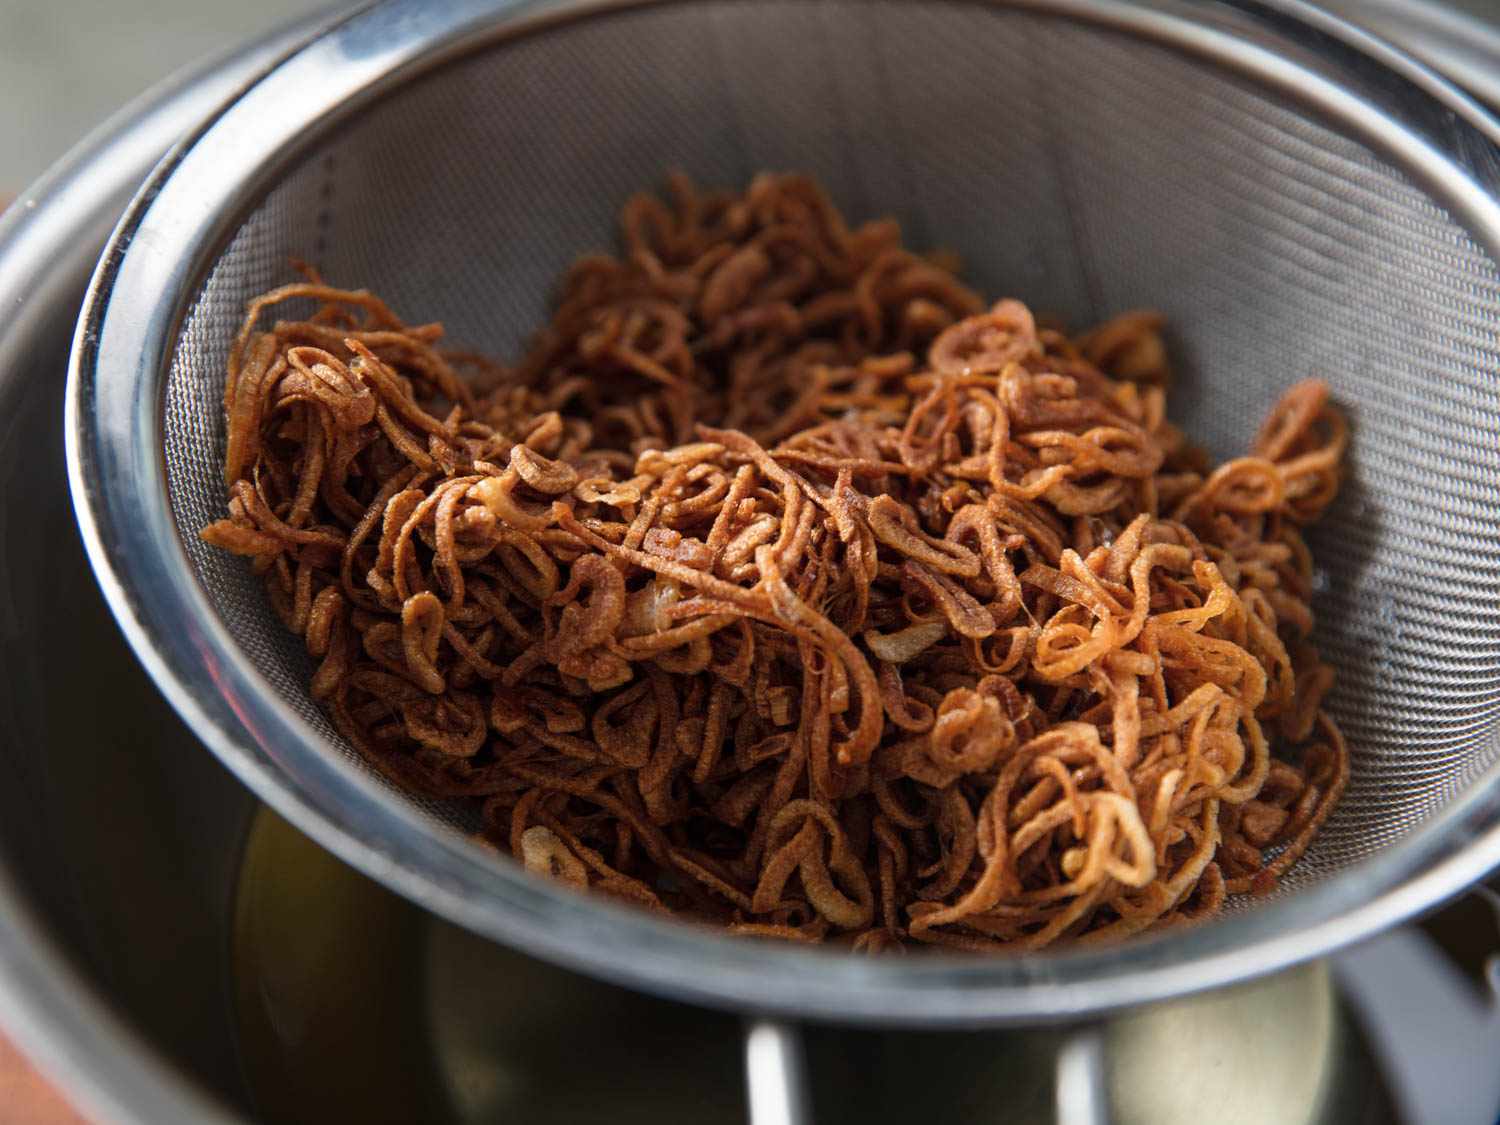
{"type": "Point", "coordinates": [1078, 1078]}
{"type": "Point", "coordinates": [776, 1076]}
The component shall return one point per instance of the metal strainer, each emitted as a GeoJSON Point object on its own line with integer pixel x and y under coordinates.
{"type": "Point", "coordinates": [1298, 199]}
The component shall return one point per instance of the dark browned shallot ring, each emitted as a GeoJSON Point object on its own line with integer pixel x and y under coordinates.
{"type": "Point", "coordinates": [784, 586]}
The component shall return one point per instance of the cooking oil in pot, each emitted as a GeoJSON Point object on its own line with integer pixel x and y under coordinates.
{"type": "Point", "coordinates": [353, 1004]}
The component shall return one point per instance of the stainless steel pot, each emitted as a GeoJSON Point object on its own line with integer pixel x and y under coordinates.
{"type": "Point", "coordinates": [119, 838]}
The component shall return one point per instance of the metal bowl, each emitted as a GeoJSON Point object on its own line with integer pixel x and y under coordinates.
{"type": "Point", "coordinates": [119, 838]}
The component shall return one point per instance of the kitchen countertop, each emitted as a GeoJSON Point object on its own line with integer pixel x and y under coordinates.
{"type": "Point", "coordinates": [26, 1098]}
{"type": "Point", "coordinates": [66, 65]}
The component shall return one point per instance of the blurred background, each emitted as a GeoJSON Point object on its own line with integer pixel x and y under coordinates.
{"type": "Point", "coordinates": [66, 65]}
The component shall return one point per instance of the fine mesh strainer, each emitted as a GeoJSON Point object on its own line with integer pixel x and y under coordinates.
{"type": "Point", "coordinates": [1297, 199]}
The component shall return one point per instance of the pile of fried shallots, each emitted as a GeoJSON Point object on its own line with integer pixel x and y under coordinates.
{"type": "Point", "coordinates": [785, 586]}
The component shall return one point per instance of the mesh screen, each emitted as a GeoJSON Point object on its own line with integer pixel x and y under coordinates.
{"type": "Point", "coordinates": [1080, 170]}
